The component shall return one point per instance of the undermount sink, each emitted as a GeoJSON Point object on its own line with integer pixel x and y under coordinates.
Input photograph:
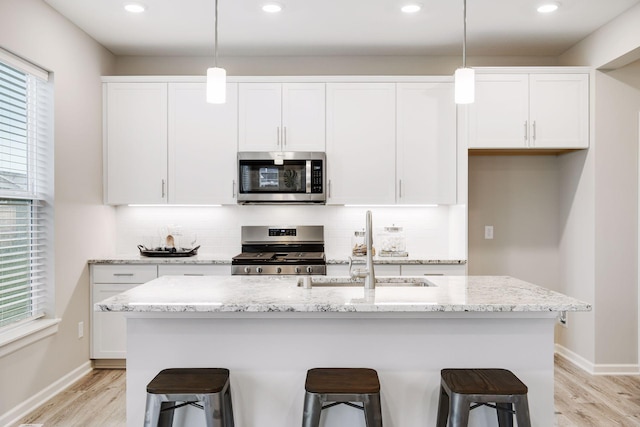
{"type": "Point", "coordinates": [382, 281]}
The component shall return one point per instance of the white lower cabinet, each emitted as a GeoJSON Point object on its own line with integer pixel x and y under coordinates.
{"type": "Point", "coordinates": [403, 269]}
{"type": "Point", "coordinates": [379, 269]}
{"type": "Point", "coordinates": [108, 330]}
{"type": "Point", "coordinates": [194, 270]}
{"type": "Point", "coordinates": [434, 270]}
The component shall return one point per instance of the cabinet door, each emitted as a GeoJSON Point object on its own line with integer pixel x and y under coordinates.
{"type": "Point", "coordinates": [434, 270]}
{"type": "Point", "coordinates": [194, 270]}
{"type": "Point", "coordinates": [303, 116]}
{"type": "Point", "coordinates": [559, 110]}
{"type": "Point", "coordinates": [260, 116]}
{"type": "Point", "coordinates": [109, 329]}
{"type": "Point", "coordinates": [361, 143]}
{"type": "Point", "coordinates": [499, 117]}
{"type": "Point", "coordinates": [136, 143]}
{"type": "Point", "coordinates": [426, 143]}
{"type": "Point", "coordinates": [202, 145]}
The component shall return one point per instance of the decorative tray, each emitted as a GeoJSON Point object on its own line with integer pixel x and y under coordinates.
{"type": "Point", "coordinates": [167, 252]}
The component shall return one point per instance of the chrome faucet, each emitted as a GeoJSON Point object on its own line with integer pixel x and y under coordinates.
{"type": "Point", "coordinates": [367, 273]}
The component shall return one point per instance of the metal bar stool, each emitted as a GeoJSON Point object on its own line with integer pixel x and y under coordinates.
{"type": "Point", "coordinates": [460, 388]}
{"type": "Point", "coordinates": [342, 386]}
{"type": "Point", "coordinates": [174, 388]}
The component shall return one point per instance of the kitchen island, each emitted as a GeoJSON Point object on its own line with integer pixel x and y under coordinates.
{"type": "Point", "coordinates": [268, 331]}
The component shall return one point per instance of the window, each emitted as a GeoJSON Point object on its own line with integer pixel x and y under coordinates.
{"type": "Point", "coordinates": [26, 184]}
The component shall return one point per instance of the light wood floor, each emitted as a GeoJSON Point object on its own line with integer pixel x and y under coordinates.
{"type": "Point", "coordinates": [581, 400]}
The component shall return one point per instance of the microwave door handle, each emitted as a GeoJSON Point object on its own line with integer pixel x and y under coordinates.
{"type": "Point", "coordinates": [308, 176]}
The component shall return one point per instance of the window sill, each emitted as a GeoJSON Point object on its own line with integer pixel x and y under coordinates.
{"type": "Point", "coordinates": [21, 336]}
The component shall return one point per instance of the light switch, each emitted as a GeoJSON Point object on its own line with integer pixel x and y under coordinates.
{"type": "Point", "coordinates": [488, 232]}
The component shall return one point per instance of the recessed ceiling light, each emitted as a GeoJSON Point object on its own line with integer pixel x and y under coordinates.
{"type": "Point", "coordinates": [411, 8]}
{"type": "Point", "coordinates": [548, 7]}
{"type": "Point", "coordinates": [135, 7]}
{"type": "Point", "coordinates": [272, 7]}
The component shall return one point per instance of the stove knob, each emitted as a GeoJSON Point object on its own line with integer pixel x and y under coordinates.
{"type": "Point", "coordinates": [278, 270]}
{"type": "Point", "coordinates": [309, 270]}
{"type": "Point", "coordinates": [247, 270]}
{"type": "Point", "coordinates": [259, 270]}
{"type": "Point", "coordinates": [297, 270]}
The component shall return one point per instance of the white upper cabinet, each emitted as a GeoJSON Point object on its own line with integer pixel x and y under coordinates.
{"type": "Point", "coordinates": [559, 112]}
{"type": "Point", "coordinates": [282, 117]}
{"type": "Point", "coordinates": [136, 143]}
{"type": "Point", "coordinates": [426, 143]}
{"type": "Point", "coordinates": [498, 117]}
{"type": "Point", "coordinates": [530, 111]}
{"type": "Point", "coordinates": [361, 135]}
{"type": "Point", "coordinates": [166, 144]}
{"type": "Point", "coordinates": [203, 143]}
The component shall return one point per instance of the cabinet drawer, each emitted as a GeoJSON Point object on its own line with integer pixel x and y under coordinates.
{"type": "Point", "coordinates": [434, 270]}
{"type": "Point", "coordinates": [194, 270]}
{"type": "Point", "coordinates": [123, 273]}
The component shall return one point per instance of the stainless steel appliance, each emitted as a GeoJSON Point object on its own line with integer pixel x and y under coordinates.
{"type": "Point", "coordinates": [290, 250]}
{"type": "Point", "coordinates": [281, 177]}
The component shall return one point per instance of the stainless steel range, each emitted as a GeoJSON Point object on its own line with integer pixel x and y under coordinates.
{"type": "Point", "coordinates": [281, 250]}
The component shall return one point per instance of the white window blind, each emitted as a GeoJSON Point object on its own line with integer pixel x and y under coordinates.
{"type": "Point", "coordinates": [25, 193]}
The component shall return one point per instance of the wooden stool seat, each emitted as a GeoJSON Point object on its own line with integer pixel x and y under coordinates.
{"type": "Point", "coordinates": [342, 380]}
{"type": "Point", "coordinates": [342, 386]}
{"type": "Point", "coordinates": [496, 388]}
{"type": "Point", "coordinates": [189, 381]}
{"type": "Point", "coordinates": [483, 381]}
{"type": "Point", "coordinates": [205, 388]}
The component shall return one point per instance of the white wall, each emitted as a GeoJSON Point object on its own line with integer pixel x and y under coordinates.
{"type": "Point", "coordinates": [83, 226]}
{"type": "Point", "coordinates": [519, 197]}
{"type": "Point", "coordinates": [616, 220]}
{"type": "Point", "coordinates": [316, 65]}
{"type": "Point", "coordinates": [612, 46]}
{"type": "Point", "coordinates": [427, 229]}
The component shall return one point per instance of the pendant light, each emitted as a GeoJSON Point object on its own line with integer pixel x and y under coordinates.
{"type": "Point", "coordinates": [216, 77]}
{"type": "Point", "coordinates": [464, 77]}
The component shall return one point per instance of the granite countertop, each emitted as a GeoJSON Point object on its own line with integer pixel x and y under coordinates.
{"type": "Point", "coordinates": [399, 260]}
{"type": "Point", "coordinates": [139, 259]}
{"type": "Point", "coordinates": [228, 294]}
{"type": "Point", "coordinates": [217, 259]}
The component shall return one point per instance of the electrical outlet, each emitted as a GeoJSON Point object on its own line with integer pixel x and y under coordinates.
{"type": "Point", "coordinates": [488, 232]}
{"type": "Point", "coordinates": [80, 330]}
{"type": "Point", "coordinates": [563, 318]}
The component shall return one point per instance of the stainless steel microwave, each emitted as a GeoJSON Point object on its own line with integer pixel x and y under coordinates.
{"type": "Point", "coordinates": [281, 177]}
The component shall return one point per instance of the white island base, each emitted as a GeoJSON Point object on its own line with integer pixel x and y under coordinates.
{"type": "Point", "coordinates": [268, 355]}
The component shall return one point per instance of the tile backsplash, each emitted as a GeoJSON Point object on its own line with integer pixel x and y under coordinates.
{"type": "Point", "coordinates": [431, 232]}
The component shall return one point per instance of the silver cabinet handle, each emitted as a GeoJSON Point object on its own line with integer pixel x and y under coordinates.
{"type": "Point", "coordinates": [526, 132]}
{"type": "Point", "coordinates": [123, 274]}
{"type": "Point", "coordinates": [329, 189]}
{"type": "Point", "coordinates": [284, 139]}
{"type": "Point", "coordinates": [233, 188]}
{"type": "Point", "coordinates": [163, 192]}
{"type": "Point", "coordinates": [534, 131]}
{"type": "Point", "coordinates": [400, 188]}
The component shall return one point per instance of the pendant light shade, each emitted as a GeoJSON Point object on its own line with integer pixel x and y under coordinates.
{"type": "Point", "coordinates": [465, 78]}
{"type": "Point", "coordinates": [216, 77]}
{"type": "Point", "coordinates": [216, 85]}
{"type": "Point", "coordinates": [465, 85]}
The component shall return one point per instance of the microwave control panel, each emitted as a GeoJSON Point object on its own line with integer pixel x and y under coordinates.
{"type": "Point", "coordinates": [316, 176]}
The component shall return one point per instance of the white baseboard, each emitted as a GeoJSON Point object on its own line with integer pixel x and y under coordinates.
{"type": "Point", "coordinates": [597, 368]}
{"type": "Point", "coordinates": [13, 416]}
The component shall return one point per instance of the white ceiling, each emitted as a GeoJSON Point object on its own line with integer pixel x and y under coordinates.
{"type": "Point", "coordinates": [339, 27]}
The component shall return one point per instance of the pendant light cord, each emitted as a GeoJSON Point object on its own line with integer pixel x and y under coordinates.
{"type": "Point", "coordinates": [464, 34]}
{"type": "Point", "coordinates": [215, 48]}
